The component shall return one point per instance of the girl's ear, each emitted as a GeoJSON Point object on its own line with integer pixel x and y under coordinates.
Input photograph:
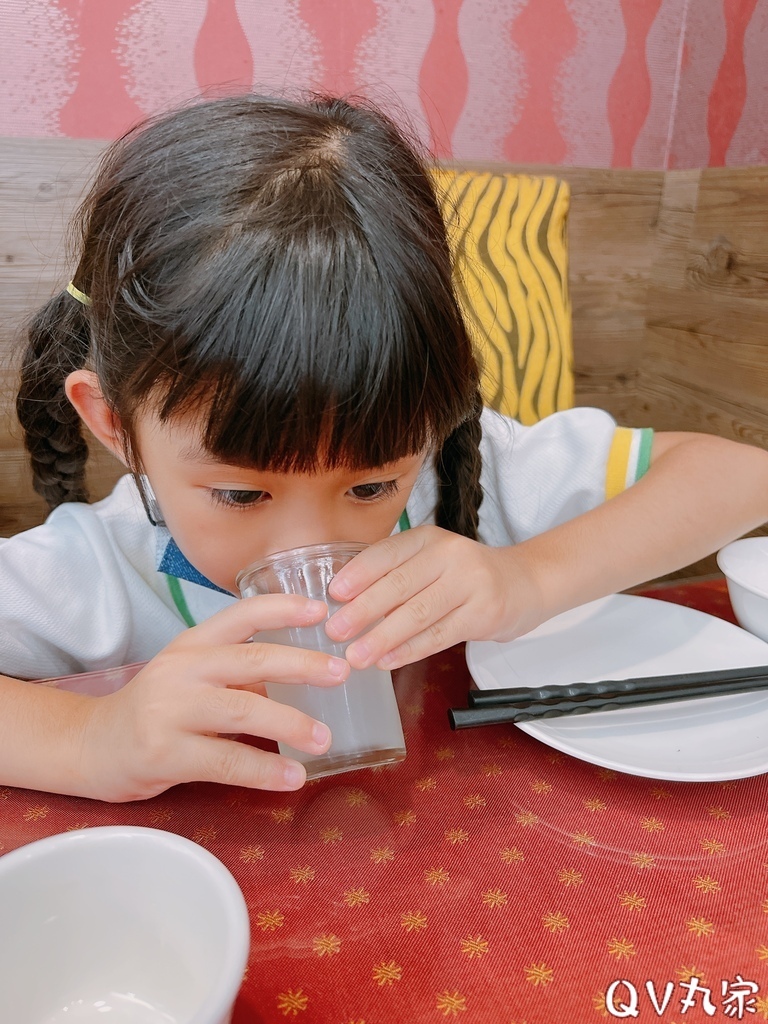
{"type": "Point", "coordinates": [84, 392]}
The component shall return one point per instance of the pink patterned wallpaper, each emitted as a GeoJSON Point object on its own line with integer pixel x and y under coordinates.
{"type": "Point", "coordinates": [640, 83]}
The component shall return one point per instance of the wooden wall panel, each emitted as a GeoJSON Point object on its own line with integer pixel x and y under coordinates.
{"type": "Point", "coordinates": [41, 183]}
{"type": "Point", "coordinates": [705, 364]}
{"type": "Point", "coordinates": [612, 250]}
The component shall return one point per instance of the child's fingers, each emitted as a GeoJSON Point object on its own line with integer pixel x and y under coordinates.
{"type": "Point", "coordinates": [426, 613]}
{"type": "Point", "coordinates": [253, 664]}
{"type": "Point", "coordinates": [240, 621]}
{"type": "Point", "coordinates": [439, 636]}
{"type": "Point", "coordinates": [237, 764]}
{"type": "Point", "coordinates": [174, 742]}
{"type": "Point", "coordinates": [376, 561]}
{"type": "Point", "coordinates": [239, 711]}
{"type": "Point", "coordinates": [400, 585]}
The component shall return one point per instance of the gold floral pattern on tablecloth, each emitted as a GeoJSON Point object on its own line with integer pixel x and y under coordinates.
{"type": "Point", "coordinates": [486, 879]}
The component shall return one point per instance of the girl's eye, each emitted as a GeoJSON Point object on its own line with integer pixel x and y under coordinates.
{"type": "Point", "coordinates": [238, 499]}
{"type": "Point", "coordinates": [370, 492]}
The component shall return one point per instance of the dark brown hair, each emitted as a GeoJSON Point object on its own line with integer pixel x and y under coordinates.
{"type": "Point", "coordinates": [280, 268]}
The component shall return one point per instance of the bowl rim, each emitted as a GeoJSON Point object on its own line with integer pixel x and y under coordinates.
{"type": "Point", "coordinates": [730, 575]}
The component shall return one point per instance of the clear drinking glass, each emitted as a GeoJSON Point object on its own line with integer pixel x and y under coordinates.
{"type": "Point", "coordinates": [362, 712]}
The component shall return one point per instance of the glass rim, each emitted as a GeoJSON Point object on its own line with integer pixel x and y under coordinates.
{"type": "Point", "coordinates": [301, 554]}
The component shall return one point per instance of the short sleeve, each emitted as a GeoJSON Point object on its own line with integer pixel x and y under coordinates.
{"type": "Point", "coordinates": [537, 477]}
{"type": "Point", "coordinates": [74, 595]}
{"type": "Point", "coordinates": [629, 457]}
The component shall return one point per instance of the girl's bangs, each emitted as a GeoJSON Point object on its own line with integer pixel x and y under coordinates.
{"type": "Point", "coordinates": [304, 309]}
{"type": "Point", "coordinates": [314, 361]}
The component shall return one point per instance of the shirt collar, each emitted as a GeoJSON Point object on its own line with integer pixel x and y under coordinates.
{"type": "Point", "coordinates": [170, 560]}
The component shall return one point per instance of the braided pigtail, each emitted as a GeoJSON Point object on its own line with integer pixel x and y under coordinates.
{"type": "Point", "coordinates": [458, 468]}
{"type": "Point", "coordinates": [58, 342]}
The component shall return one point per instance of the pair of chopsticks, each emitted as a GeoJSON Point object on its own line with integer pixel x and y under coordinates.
{"type": "Point", "coordinates": [521, 704]}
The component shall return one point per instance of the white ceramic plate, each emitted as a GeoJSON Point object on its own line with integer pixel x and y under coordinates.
{"type": "Point", "coordinates": [622, 637]}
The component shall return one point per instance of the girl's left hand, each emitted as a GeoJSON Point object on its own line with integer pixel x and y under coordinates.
{"type": "Point", "coordinates": [432, 589]}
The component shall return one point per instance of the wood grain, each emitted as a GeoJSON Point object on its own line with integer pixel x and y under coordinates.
{"type": "Point", "coordinates": [41, 183]}
{"type": "Point", "coordinates": [668, 275]}
{"type": "Point", "coordinates": [705, 365]}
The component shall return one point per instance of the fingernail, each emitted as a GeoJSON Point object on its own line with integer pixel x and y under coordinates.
{"type": "Point", "coordinates": [387, 659]}
{"type": "Point", "coordinates": [337, 667]}
{"type": "Point", "coordinates": [359, 650]}
{"type": "Point", "coordinates": [321, 735]}
{"type": "Point", "coordinates": [294, 775]}
{"type": "Point", "coordinates": [340, 588]}
{"type": "Point", "coordinates": [314, 608]}
{"type": "Point", "coordinates": [340, 624]}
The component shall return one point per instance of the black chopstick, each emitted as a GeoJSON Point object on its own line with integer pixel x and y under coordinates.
{"type": "Point", "coordinates": [614, 687]}
{"type": "Point", "coordinates": [521, 704]}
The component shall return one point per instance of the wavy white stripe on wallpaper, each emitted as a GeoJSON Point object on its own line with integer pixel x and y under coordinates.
{"type": "Point", "coordinates": [390, 58]}
{"type": "Point", "coordinates": [590, 82]}
{"type": "Point", "coordinates": [750, 141]}
{"type": "Point", "coordinates": [38, 51]}
{"type": "Point", "coordinates": [663, 58]}
{"type": "Point", "coordinates": [704, 49]}
{"type": "Point", "coordinates": [497, 83]}
{"type": "Point", "coordinates": [585, 78]}
{"type": "Point", "coordinates": [286, 57]}
{"type": "Point", "coordinates": [156, 44]}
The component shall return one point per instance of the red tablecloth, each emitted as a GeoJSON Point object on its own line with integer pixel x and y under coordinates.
{"type": "Point", "coordinates": [487, 879]}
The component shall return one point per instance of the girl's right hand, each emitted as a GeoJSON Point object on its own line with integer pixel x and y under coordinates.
{"type": "Point", "coordinates": [163, 727]}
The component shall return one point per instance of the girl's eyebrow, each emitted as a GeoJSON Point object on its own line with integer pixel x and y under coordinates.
{"type": "Point", "coordinates": [195, 453]}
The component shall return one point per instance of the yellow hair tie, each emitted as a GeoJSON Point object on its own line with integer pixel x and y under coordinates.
{"type": "Point", "coordinates": [77, 294]}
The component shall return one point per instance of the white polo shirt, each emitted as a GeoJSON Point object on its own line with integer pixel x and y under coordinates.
{"type": "Point", "coordinates": [83, 592]}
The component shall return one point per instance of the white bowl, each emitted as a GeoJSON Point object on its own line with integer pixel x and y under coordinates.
{"type": "Point", "coordinates": [745, 565]}
{"type": "Point", "coordinates": [119, 924]}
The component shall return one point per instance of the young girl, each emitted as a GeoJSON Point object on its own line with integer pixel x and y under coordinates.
{"type": "Point", "coordinates": [262, 327]}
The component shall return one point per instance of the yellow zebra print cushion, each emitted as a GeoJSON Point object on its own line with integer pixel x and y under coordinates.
{"type": "Point", "coordinates": [507, 234]}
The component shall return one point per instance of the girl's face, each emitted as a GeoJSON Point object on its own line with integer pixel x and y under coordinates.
{"type": "Point", "coordinates": [224, 517]}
